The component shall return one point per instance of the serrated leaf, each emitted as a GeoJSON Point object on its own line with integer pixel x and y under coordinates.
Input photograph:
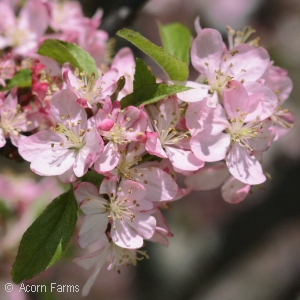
{"type": "Point", "coordinates": [151, 93]}
{"type": "Point", "coordinates": [45, 240]}
{"type": "Point", "coordinates": [174, 68]}
{"type": "Point", "coordinates": [64, 52]}
{"type": "Point", "coordinates": [142, 76]}
{"type": "Point", "coordinates": [176, 40]}
{"type": "Point", "coordinates": [21, 79]}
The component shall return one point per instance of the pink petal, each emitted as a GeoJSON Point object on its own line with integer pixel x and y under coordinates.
{"type": "Point", "coordinates": [153, 145]}
{"type": "Point", "coordinates": [159, 185]}
{"type": "Point", "coordinates": [87, 155]}
{"type": "Point", "coordinates": [86, 191]}
{"type": "Point", "coordinates": [52, 162]}
{"type": "Point", "coordinates": [92, 228]}
{"type": "Point", "coordinates": [68, 176]}
{"type": "Point", "coordinates": [197, 93]}
{"type": "Point", "coordinates": [82, 102]}
{"type": "Point", "coordinates": [31, 147]}
{"type": "Point", "coordinates": [209, 147]}
{"type": "Point", "coordinates": [234, 191]}
{"type": "Point", "coordinates": [106, 125]}
{"type": "Point", "coordinates": [108, 82]}
{"type": "Point", "coordinates": [192, 116]}
{"type": "Point", "coordinates": [208, 177]}
{"type": "Point", "coordinates": [108, 159]}
{"type": "Point", "coordinates": [207, 48]}
{"type": "Point", "coordinates": [34, 17]}
{"type": "Point", "coordinates": [109, 186]}
{"type": "Point", "coordinates": [279, 83]}
{"type": "Point", "coordinates": [144, 225]}
{"type": "Point", "coordinates": [65, 109]}
{"type": "Point", "coordinates": [247, 64]}
{"type": "Point", "coordinates": [125, 236]}
{"type": "Point", "coordinates": [244, 167]}
{"type": "Point", "coordinates": [183, 159]}
{"type": "Point", "coordinates": [260, 95]}
{"type": "Point", "coordinates": [235, 100]}
{"type": "Point", "coordinates": [138, 191]}
{"type": "Point", "coordinates": [2, 138]}
{"type": "Point", "coordinates": [212, 120]}
{"type": "Point", "coordinates": [263, 139]}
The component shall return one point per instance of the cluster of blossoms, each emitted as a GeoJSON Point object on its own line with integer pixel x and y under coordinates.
{"type": "Point", "coordinates": [70, 122]}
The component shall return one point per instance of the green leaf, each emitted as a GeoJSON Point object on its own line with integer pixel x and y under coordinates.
{"type": "Point", "coordinates": [21, 79]}
{"type": "Point", "coordinates": [176, 40]}
{"type": "Point", "coordinates": [142, 76]}
{"type": "Point", "coordinates": [93, 177]}
{"type": "Point", "coordinates": [45, 240]}
{"type": "Point", "coordinates": [64, 52]}
{"type": "Point", "coordinates": [151, 93]}
{"type": "Point", "coordinates": [174, 68]}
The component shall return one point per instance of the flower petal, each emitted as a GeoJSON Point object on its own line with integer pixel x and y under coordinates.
{"type": "Point", "coordinates": [234, 191]}
{"type": "Point", "coordinates": [207, 51]}
{"type": "Point", "coordinates": [244, 167]}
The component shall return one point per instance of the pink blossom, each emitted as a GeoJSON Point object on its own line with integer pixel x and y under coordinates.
{"type": "Point", "coordinates": [125, 64]}
{"type": "Point", "coordinates": [108, 251]}
{"type": "Point", "coordinates": [234, 191]}
{"type": "Point", "coordinates": [24, 207]}
{"type": "Point", "coordinates": [71, 146]}
{"type": "Point", "coordinates": [89, 90]}
{"type": "Point", "coordinates": [66, 16]}
{"type": "Point", "coordinates": [23, 33]}
{"type": "Point", "coordinates": [164, 139]}
{"type": "Point", "coordinates": [160, 186]}
{"type": "Point", "coordinates": [125, 212]}
{"type": "Point", "coordinates": [214, 175]}
{"type": "Point", "coordinates": [235, 132]}
{"type": "Point", "coordinates": [219, 66]}
{"type": "Point", "coordinates": [7, 68]}
{"type": "Point", "coordinates": [119, 128]}
{"type": "Point", "coordinates": [14, 121]}
{"type": "Point", "coordinates": [162, 230]}
{"type": "Point", "coordinates": [277, 80]}
{"type": "Point", "coordinates": [208, 178]}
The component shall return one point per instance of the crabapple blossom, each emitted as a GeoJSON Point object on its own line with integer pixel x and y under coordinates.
{"type": "Point", "coordinates": [160, 186]}
{"type": "Point", "coordinates": [277, 80]}
{"type": "Point", "coordinates": [7, 68]}
{"type": "Point", "coordinates": [164, 140]}
{"type": "Point", "coordinates": [108, 251]}
{"type": "Point", "coordinates": [71, 147]}
{"type": "Point", "coordinates": [125, 64]}
{"type": "Point", "coordinates": [14, 121]}
{"type": "Point", "coordinates": [219, 66]}
{"type": "Point", "coordinates": [125, 213]}
{"type": "Point", "coordinates": [75, 125]}
{"type": "Point", "coordinates": [88, 89]}
{"type": "Point", "coordinates": [22, 33]}
{"type": "Point", "coordinates": [118, 127]}
{"type": "Point", "coordinates": [212, 176]}
{"type": "Point", "coordinates": [235, 132]}
{"type": "Point", "coordinates": [66, 16]}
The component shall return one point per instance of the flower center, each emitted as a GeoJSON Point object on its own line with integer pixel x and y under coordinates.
{"type": "Point", "coordinates": [87, 88]}
{"type": "Point", "coordinates": [74, 140]}
{"type": "Point", "coordinates": [116, 134]}
{"type": "Point", "coordinates": [240, 133]}
{"type": "Point", "coordinates": [11, 119]}
{"type": "Point", "coordinates": [123, 256]}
